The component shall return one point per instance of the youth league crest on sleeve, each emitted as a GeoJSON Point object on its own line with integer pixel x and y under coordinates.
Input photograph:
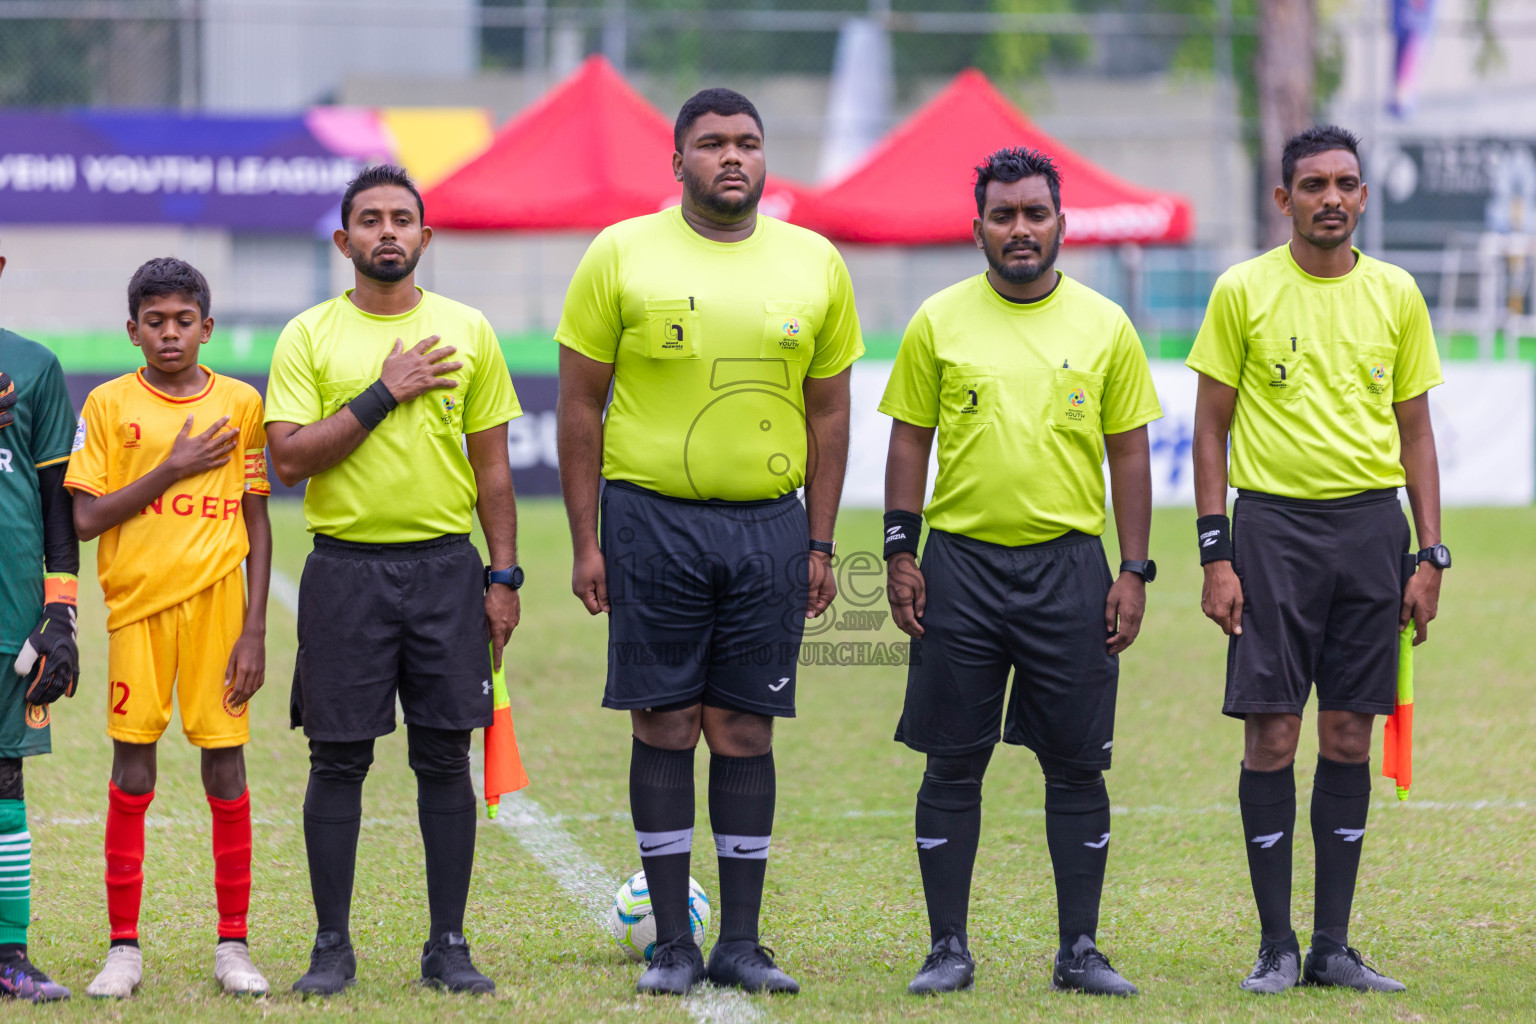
{"type": "Point", "coordinates": [79, 437]}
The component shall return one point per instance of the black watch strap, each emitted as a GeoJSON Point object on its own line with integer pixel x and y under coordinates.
{"type": "Point", "coordinates": [1438, 556]}
{"type": "Point", "coordinates": [512, 577]}
{"type": "Point", "coordinates": [1146, 570]}
{"type": "Point", "coordinates": [826, 547]}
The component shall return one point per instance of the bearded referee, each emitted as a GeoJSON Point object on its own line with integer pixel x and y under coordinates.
{"type": "Point", "coordinates": [727, 337]}
{"type": "Point", "coordinates": [393, 402]}
{"type": "Point", "coordinates": [1027, 377]}
{"type": "Point", "coordinates": [1316, 361]}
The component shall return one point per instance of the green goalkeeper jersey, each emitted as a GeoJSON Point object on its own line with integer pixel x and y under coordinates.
{"type": "Point", "coordinates": [40, 436]}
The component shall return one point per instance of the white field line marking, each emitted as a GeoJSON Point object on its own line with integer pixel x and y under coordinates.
{"type": "Point", "coordinates": [591, 885]}
{"type": "Point", "coordinates": [285, 591]}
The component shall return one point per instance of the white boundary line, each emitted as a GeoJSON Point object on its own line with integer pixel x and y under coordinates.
{"type": "Point", "coordinates": [591, 885]}
{"type": "Point", "coordinates": [587, 882]}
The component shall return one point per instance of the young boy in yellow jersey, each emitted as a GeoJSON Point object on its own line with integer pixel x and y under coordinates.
{"type": "Point", "coordinates": [168, 470]}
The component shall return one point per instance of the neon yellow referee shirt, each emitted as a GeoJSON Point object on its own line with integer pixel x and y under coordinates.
{"type": "Point", "coordinates": [1022, 395]}
{"type": "Point", "coordinates": [1317, 363]}
{"type": "Point", "coordinates": [710, 343]}
{"type": "Point", "coordinates": [410, 479]}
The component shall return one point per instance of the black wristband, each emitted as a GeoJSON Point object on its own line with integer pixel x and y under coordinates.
{"type": "Point", "coordinates": [373, 405]}
{"type": "Point", "coordinates": [902, 529]}
{"type": "Point", "coordinates": [1215, 534]}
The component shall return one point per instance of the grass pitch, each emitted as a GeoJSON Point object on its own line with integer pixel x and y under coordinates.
{"type": "Point", "coordinates": [1446, 889]}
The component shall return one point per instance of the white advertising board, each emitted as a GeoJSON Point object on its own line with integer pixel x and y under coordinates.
{"type": "Point", "coordinates": [1484, 416]}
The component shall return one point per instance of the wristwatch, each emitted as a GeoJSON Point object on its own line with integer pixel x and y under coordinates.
{"type": "Point", "coordinates": [1438, 556]}
{"type": "Point", "coordinates": [826, 547]}
{"type": "Point", "coordinates": [512, 577]}
{"type": "Point", "coordinates": [1146, 570]}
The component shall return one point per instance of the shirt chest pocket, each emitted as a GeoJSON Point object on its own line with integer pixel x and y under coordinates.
{"type": "Point", "coordinates": [1375, 366]}
{"type": "Point", "coordinates": [789, 331]}
{"type": "Point", "coordinates": [336, 393]}
{"type": "Point", "coordinates": [1076, 399]}
{"type": "Point", "coordinates": [1276, 370]}
{"type": "Point", "coordinates": [671, 329]}
{"type": "Point", "coordinates": [968, 397]}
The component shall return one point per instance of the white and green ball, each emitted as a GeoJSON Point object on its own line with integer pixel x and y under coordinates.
{"type": "Point", "coordinates": [633, 926]}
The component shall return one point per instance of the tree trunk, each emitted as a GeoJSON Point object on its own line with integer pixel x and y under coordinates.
{"type": "Point", "coordinates": [1285, 71]}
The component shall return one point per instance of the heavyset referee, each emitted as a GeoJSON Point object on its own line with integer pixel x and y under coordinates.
{"type": "Point", "coordinates": [1317, 361]}
{"type": "Point", "coordinates": [727, 337]}
{"type": "Point", "coordinates": [1027, 377]}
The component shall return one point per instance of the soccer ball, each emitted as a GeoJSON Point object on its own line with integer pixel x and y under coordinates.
{"type": "Point", "coordinates": [632, 925]}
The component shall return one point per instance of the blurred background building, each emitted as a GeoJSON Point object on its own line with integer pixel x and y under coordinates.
{"type": "Point", "coordinates": [1182, 96]}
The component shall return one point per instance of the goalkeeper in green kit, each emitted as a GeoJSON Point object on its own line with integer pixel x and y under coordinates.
{"type": "Point", "coordinates": [39, 560]}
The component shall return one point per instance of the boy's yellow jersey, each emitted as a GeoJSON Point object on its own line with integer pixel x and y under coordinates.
{"type": "Point", "coordinates": [193, 535]}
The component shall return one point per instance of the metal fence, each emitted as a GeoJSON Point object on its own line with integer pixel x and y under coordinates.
{"type": "Point", "coordinates": [173, 52]}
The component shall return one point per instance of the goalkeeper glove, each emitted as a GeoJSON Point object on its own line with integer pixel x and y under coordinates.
{"type": "Point", "coordinates": [49, 661]}
{"type": "Point", "coordinates": [7, 399]}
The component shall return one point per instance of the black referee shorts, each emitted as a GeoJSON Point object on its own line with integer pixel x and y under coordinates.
{"type": "Point", "coordinates": [707, 600]}
{"type": "Point", "coordinates": [377, 620]}
{"type": "Point", "coordinates": [1322, 591]}
{"type": "Point", "coordinates": [1037, 611]}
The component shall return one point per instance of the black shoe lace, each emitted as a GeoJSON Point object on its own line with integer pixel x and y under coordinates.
{"type": "Point", "coordinates": [1359, 959]}
{"type": "Point", "coordinates": [456, 959]}
{"type": "Point", "coordinates": [1269, 960]}
{"type": "Point", "coordinates": [1092, 958]}
{"type": "Point", "coordinates": [672, 954]}
{"type": "Point", "coordinates": [943, 953]}
{"type": "Point", "coordinates": [327, 959]}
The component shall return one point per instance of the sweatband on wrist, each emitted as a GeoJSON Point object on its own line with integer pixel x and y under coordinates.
{"type": "Point", "coordinates": [902, 529]}
{"type": "Point", "coordinates": [61, 588]}
{"type": "Point", "coordinates": [373, 405]}
{"type": "Point", "coordinates": [1215, 533]}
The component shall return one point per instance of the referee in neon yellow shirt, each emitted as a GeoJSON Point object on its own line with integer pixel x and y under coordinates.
{"type": "Point", "coordinates": [1027, 377]}
{"type": "Point", "coordinates": [1316, 361]}
{"type": "Point", "coordinates": [727, 337]}
{"type": "Point", "coordinates": [402, 441]}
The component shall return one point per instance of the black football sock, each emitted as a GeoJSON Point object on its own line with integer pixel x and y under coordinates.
{"type": "Point", "coordinates": [446, 808]}
{"type": "Point", "coordinates": [1077, 834]}
{"type": "Point", "coordinates": [661, 804]}
{"type": "Point", "coordinates": [948, 825]}
{"type": "Point", "coordinates": [1268, 804]}
{"type": "Point", "coordinates": [741, 799]}
{"type": "Point", "coordinates": [1341, 798]}
{"type": "Point", "coordinates": [333, 813]}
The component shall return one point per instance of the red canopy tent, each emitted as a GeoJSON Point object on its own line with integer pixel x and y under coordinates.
{"type": "Point", "coordinates": [915, 186]}
{"type": "Point", "coordinates": [590, 153]}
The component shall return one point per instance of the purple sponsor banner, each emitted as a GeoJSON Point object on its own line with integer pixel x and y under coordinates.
{"type": "Point", "coordinates": [250, 173]}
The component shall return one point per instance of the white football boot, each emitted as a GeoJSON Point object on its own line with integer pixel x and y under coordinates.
{"type": "Point", "coordinates": [232, 966]}
{"type": "Point", "coordinates": [120, 975]}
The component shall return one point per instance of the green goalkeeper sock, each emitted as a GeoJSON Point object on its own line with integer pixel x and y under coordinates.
{"type": "Point", "coordinates": [15, 872]}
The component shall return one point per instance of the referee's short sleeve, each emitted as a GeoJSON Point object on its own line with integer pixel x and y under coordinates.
{"type": "Point", "coordinates": [839, 340]}
{"type": "Point", "coordinates": [1220, 347]}
{"type": "Point", "coordinates": [1418, 361]}
{"type": "Point", "coordinates": [489, 400]}
{"type": "Point", "coordinates": [1130, 399]}
{"type": "Point", "coordinates": [293, 394]}
{"type": "Point", "coordinates": [912, 393]}
{"type": "Point", "coordinates": [592, 319]}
